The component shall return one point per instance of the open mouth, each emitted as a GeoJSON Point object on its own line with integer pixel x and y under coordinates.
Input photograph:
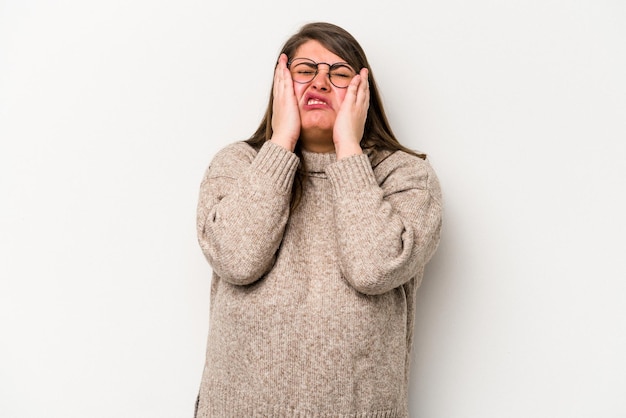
{"type": "Point", "coordinates": [313, 101]}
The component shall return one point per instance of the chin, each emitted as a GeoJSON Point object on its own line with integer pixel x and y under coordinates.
{"type": "Point", "coordinates": [318, 126]}
{"type": "Point", "coordinates": [317, 131]}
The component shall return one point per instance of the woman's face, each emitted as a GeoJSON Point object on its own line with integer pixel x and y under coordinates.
{"type": "Point", "coordinates": [318, 100]}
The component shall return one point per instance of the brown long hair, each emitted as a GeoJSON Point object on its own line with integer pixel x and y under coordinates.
{"type": "Point", "coordinates": [377, 134]}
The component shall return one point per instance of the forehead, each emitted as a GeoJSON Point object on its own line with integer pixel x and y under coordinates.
{"type": "Point", "coordinates": [317, 52]}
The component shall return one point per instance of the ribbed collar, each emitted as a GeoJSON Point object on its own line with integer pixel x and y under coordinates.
{"type": "Point", "coordinates": [315, 162]}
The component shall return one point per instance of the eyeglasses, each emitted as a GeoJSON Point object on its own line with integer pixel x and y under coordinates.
{"type": "Point", "coordinates": [304, 70]}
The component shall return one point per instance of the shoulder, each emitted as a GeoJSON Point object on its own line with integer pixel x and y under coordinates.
{"type": "Point", "coordinates": [239, 150]}
{"type": "Point", "coordinates": [235, 155]}
{"type": "Point", "coordinates": [385, 163]}
{"type": "Point", "coordinates": [399, 169]}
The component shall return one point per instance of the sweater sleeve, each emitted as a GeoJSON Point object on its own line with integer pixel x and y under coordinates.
{"type": "Point", "coordinates": [243, 209]}
{"type": "Point", "coordinates": [387, 229]}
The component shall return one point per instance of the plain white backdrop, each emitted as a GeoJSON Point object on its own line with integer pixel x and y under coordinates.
{"type": "Point", "coordinates": [111, 111]}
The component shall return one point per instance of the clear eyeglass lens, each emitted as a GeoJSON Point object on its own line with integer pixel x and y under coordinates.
{"type": "Point", "coordinates": [304, 70]}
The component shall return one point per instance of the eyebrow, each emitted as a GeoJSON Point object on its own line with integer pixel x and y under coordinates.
{"type": "Point", "coordinates": [308, 62]}
{"type": "Point", "coordinates": [336, 64]}
{"type": "Point", "coordinates": [342, 64]}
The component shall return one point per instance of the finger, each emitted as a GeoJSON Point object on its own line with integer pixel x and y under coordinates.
{"type": "Point", "coordinates": [364, 81]}
{"type": "Point", "coordinates": [365, 75]}
{"type": "Point", "coordinates": [282, 61]}
{"type": "Point", "coordinates": [364, 87]}
{"type": "Point", "coordinates": [282, 76]}
{"type": "Point", "coordinates": [352, 93]}
{"type": "Point", "coordinates": [278, 73]}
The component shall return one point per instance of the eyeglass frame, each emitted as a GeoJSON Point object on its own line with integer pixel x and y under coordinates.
{"type": "Point", "coordinates": [317, 70]}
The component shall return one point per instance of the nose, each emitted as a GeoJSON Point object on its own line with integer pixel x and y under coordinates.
{"type": "Point", "coordinates": [321, 80]}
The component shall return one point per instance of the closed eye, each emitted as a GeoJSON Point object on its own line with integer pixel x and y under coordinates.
{"type": "Point", "coordinates": [342, 71]}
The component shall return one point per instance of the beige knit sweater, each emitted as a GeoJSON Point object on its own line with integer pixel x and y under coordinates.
{"type": "Point", "coordinates": [312, 311]}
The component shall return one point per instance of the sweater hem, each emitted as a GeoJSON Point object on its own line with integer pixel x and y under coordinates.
{"type": "Point", "coordinates": [228, 403]}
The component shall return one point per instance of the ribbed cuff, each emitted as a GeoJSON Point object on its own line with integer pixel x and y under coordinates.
{"type": "Point", "coordinates": [277, 164]}
{"type": "Point", "coordinates": [351, 174]}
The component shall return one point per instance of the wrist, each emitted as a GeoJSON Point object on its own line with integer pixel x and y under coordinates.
{"type": "Point", "coordinates": [288, 144]}
{"type": "Point", "coordinates": [347, 150]}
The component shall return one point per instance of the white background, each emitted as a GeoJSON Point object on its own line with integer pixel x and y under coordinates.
{"type": "Point", "coordinates": [110, 112]}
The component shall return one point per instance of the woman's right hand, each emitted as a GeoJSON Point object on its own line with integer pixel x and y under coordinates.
{"type": "Point", "coordinates": [285, 112]}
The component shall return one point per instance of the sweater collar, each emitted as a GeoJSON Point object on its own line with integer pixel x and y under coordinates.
{"type": "Point", "coordinates": [316, 162]}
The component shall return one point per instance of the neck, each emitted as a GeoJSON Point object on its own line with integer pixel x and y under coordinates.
{"type": "Point", "coordinates": [317, 144]}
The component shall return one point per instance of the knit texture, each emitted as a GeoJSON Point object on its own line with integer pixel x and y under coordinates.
{"type": "Point", "coordinates": [312, 311]}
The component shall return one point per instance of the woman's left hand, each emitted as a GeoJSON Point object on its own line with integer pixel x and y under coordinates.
{"type": "Point", "coordinates": [350, 122]}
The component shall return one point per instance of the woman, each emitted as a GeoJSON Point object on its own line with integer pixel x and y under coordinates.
{"type": "Point", "coordinates": [317, 229]}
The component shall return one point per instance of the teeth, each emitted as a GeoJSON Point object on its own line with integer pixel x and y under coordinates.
{"type": "Point", "coordinates": [315, 101]}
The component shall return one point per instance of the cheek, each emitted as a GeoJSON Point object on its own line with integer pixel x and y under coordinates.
{"type": "Point", "coordinates": [340, 94]}
{"type": "Point", "coordinates": [299, 89]}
